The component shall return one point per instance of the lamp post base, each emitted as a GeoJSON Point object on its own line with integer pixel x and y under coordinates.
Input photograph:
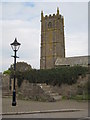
{"type": "Point", "coordinates": [14, 98]}
{"type": "Point", "coordinates": [13, 103]}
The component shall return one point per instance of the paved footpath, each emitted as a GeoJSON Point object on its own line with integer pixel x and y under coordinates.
{"type": "Point", "coordinates": [34, 109]}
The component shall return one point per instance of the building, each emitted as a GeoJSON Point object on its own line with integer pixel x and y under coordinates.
{"type": "Point", "coordinates": [53, 44]}
{"type": "Point", "coordinates": [73, 61]}
{"type": "Point", "coordinates": [52, 39]}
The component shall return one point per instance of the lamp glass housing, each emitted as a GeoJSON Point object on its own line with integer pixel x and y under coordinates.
{"type": "Point", "coordinates": [15, 45]}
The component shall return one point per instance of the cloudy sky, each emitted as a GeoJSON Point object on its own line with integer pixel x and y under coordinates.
{"type": "Point", "coordinates": [22, 20]}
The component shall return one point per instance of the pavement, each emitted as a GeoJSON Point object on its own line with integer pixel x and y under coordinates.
{"type": "Point", "coordinates": [35, 109]}
{"type": "Point", "coordinates": [42, 111]}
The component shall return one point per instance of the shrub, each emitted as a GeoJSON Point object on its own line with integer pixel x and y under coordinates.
{"type": "Point", "coordinates": [55, 76]}
{"type": "Point", "coordinates": [7, 72]}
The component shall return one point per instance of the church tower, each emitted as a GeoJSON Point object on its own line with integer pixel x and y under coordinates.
{"type": "Point", "coordinates": [52, 39]}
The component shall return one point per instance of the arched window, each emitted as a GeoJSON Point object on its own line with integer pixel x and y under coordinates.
{"type": "Point", "coordinates": [49, 25]}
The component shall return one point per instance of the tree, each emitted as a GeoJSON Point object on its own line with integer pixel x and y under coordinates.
{"type": "Point", "coordinates": [21, 66]}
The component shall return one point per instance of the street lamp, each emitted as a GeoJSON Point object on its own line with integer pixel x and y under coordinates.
{"type": "Point", "coordinates": [15, 46]}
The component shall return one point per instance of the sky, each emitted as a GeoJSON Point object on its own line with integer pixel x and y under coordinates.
{"type": "Point", "coordinates": [22, 20]}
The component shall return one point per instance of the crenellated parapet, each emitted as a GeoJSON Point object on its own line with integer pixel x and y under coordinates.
{"type": "Point", "coordinates": [51, 16]}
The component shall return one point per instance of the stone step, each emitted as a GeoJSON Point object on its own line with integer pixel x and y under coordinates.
{"type": "Point", "coordinates": [54, 94]}
{"type": "Point", "coordinates": [57, 97]}
{"type": "Point", "coordinates": [45, 87]}
{"type": "Point", "coordinates": [46, 90]}
{"type": "Point", "coordinates": [49, 91]}
{"type": "Point", "coordinates": [43, 84]}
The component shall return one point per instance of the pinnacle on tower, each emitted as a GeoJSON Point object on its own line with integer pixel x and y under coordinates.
{"type": "Point", "coordinates": [41, 14]}
{"type": "Point", "coordinates": [57, 10]}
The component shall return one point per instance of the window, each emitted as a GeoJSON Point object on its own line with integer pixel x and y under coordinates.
{"type": "Point", "coordinates": [49, 25]}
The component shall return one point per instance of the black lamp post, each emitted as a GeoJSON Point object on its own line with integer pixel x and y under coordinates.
{"type": "Point", "coordinates": [15, 46]}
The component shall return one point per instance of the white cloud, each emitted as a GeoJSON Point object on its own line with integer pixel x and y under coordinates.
{"type": "Point", "coordinates": [27, 36]}
{"type": "Point", "coordinates": [18, 11]}
{"type": "Point", "coordinates": [76, 44]}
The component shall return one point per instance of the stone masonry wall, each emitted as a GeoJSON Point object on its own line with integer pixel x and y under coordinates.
{"type": "Point", "coordinates": [31, 91]}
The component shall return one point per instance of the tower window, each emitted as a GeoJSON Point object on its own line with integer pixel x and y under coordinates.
{"type": "Point", "coordinates": [49, 25]}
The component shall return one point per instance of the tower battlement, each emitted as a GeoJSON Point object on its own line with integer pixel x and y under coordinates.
{"type": "Point", "coordinates": [51, 16]}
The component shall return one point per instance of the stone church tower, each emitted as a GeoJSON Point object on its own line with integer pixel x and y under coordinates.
{"type": "Point", "coordinates": [52, 39]}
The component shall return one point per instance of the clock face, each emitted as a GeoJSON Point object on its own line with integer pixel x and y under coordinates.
{"type": "Point", "coordinates": [49, 25]}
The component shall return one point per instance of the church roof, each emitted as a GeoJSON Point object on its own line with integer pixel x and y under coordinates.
{"type": "Point", "coordinates": [71, 61]}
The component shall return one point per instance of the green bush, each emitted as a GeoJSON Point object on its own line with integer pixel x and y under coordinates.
{"type": "Point", "coordinates": [7, 72]}
{"type": "Point", "coordinates": [56, 76]}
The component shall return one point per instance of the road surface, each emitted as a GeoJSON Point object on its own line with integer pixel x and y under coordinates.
{"type": "Point", "coordinates": [25, 106]}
